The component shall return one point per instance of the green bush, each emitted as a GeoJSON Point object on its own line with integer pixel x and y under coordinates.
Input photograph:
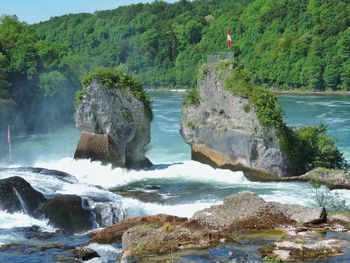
{"type": "Point", "coordinates": [321, 148]}
{"type": "Point", "coordinates": [192, 98]}
{"type": "Point", "coordinates": [112, 78]}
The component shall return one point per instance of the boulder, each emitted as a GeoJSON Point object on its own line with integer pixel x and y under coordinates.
{"type": "Point", "coordinates": [311, 216]}
{"type": "Point", "coordinates": [16, 194]}
{"type": "Point", "coordinates": [66, 212]}
{"type": "Point", "coordinates": [114, 233]}
{"type": "Point", "coordinates": [149, 239]}
{"type": "Point", "coordinates": [224, 131]}
{"type": "Point", "coordinates": [153, 235]}
{"type": "Point", "coordinates": [333, 179]}
{"type": "Point", "coordinates": [297, 251]}
{"type": "Point", "coordinates": [114, 125]}
{"type": "Point", "coordinates": [246, 210]}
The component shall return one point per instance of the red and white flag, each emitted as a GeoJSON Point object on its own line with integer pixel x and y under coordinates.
{"type": "Point", "coordinates": [229, 40]}
{"type": "Point", "coordinates": [8, 134]}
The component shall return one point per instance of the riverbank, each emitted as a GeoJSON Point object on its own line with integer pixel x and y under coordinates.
{"type": "Point", "coordinates": [308, 92]}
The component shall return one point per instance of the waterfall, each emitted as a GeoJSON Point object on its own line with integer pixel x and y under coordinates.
{"type": "Point", "coordinates": [104, 213]}
{"type": "Point", "coordinates": [23, 204]}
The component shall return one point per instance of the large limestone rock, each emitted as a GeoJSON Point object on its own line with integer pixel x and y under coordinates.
{"type": "Point", "coordinates": [114, 127]}
{"type": "Point", "coordinates": [224, 131]}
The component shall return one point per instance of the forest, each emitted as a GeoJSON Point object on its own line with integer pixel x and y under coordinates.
{"type": "Point", "coordinates": [282, 44]}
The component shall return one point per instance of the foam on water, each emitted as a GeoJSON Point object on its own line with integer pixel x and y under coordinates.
{"type": "Point", "coordinates": [93, 173]}
{"type": "Point", "coordinates": [96, 174]}
{"type": "Point", "coordinates": [107, 253]}
{"type": "Point", "coordinates": [11, 220]}
{"type": "Point", "coordinates": [134, 208]}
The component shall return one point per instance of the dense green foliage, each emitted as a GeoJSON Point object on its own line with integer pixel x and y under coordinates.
{"type": "Point", "coordinates": [321, 149]}
{"type": "Point", "coordinates": [36, 83]}
{"type": "Point", "coordinates": [192, 98]}
{"type": "Point", "coordinates": [284, 43]}
{"type": "Point", "coordinates": [112, 78]}
{"type": "Point", "coordinates": [305, 147]}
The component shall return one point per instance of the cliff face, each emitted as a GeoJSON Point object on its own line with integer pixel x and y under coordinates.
{"type": "Point", "coordinates": [223, 130]}
{"type": "Point", "coordinates": [114, 127]}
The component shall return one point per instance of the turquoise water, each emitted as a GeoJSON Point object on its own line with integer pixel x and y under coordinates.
{"type": "Point", "coordinates": [333, 110]}
{"type": "Point", "coordinates": [184, 186]}
{"type": "Point", "coordinates": [167, 145]}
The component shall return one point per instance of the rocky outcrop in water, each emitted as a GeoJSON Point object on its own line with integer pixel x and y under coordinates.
{"type": "Point", "coordinates": [114, 125]}
{"type": "Point", "coordinates": [16, 194]}
{"type": "Point", "coordinates": [333, 179]}
{"type": "Point", "coordinates": [159, 234]}
{"type": "Point", "coordinates": [114, 233]}
{"type": "Point", "coordinates": [67, 212]}
{"type": "Point", "coordinates": [248, 210]}
{"type": "Point", "coordinates": [223, 130]}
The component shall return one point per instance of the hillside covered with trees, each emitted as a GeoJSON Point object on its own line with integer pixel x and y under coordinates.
{"type": "Point", "coordinates": [283, 44]}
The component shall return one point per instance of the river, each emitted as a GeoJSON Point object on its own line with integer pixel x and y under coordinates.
{"type": "Point", "coordinates": [180, 186]}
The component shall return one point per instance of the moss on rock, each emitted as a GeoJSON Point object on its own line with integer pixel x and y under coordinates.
{"type": "Point", "coordinates": [306, 147]}
{"type": "Point", "coordinates": [112, 78]}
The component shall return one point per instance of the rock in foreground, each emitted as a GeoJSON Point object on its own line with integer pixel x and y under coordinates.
{"type": "Point", "coordinates": [159, 234]}
{"type": "Point", "coordinates": [249, 211]}
{"type": "Point", "coordinates": [114, 124]}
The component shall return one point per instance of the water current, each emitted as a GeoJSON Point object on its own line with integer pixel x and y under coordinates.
{"type": "Point", "coordinates": [175, 185]}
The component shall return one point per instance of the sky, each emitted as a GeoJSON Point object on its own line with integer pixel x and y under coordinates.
{"type": "Point", "coordinates": [33, 11]}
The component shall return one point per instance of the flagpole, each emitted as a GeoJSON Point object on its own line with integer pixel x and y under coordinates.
{"type": "Point", "coordinates": [9, 141]}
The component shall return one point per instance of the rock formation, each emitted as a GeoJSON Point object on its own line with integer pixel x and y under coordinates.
{"type": "Point", "coordinates": [67, 213]}
{"type": "Point", "coordinates": [247, 210]}
{"type": "Point", "coordinates": [16, 194]}
{"type": "Point", "coordinates": [114, 127]}
{"type": "Point", "coordinates": [159, 234]}
{"type": "Point", "coordinates": [223, 130]}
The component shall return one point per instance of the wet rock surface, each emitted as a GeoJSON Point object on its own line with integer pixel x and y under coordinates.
{"type": "Point", "coordinates": [67, 213]}
{"type": "Point", "coordinates": [16, 194]}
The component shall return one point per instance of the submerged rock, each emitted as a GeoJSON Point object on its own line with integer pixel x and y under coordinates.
{"type": "Point", "coordinates": [67, 213]}
{"type": "Point", "coordinates": [224, 131]}
{"type": "Point", "coordinates": [84, 253]}
{"type": "Point", "coordinates": [16, 194]}
{"type": "Point", "coordinates": [290, 251]}
{"type": "Point", "coordinates": [114, 125]}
